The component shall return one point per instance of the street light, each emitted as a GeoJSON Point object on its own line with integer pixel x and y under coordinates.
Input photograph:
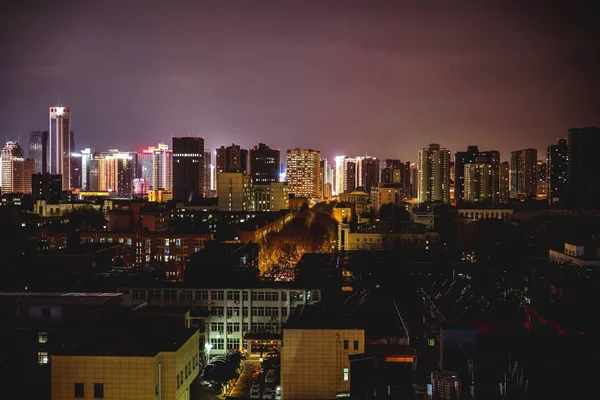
{"type": "Point", "coordinates": [207, 347]}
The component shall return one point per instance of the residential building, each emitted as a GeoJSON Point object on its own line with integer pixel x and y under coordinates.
{"type": "Point", "coordinates": [558, 168]}
{"type": "Point", "coordinates": [207, 185]}
{"type": "Point", "coordinates": [504, 182]}
{"type": "Point", "coordinates": [542, 178]}
{"type": "Point", "coordinates": [523, 180]}
{"type": "Point", "coordinates": [583, 179]}
{"type": "Point", "coordinates": [342, 212]}
{"type": "Point", "coordinates": [188, 168]}
{"type": "Point", "coordinates": [484, 172]}
{"type": "Point", "coordinates": [160, 195]}
{"type": "Point", "coordinates": [345, 174]}
{"type": "Point", "coordinates": [15, 170]}
{"type": "Point", "coordinates": [385, 193]}
{"type": "Point", "coordinates": [576, 254]}
{"type": "Point", "coordinates": [264, 164]}
{"type": "Point", "coordinates": [476, 214]}
{"type": "Point", "coordinates": [368, 172]}
{"type": "Point", "coordinates": [162, 168]}
{"type": "Point", "coordinates": [434, 174]}
{"type": "Point", "coordinates": [76, 171]}
{"type": "Point", "coordinates": [303, 171]}
{"type": "Point", "coordinates": [232, 159]}
{"type": "Point", "coordinates": [477, 185]}
{"type": "Point", "coordinates": [390, 172]}
{"type": "Point", "coordinates": [59, 158]}
{"type": "Point", "coordinates": [235, 192]}
{"type": "Point", "coordinates": [408, 236]}
{"type": "Point", "coordinates": [274, 196]}
{"type": "Point", "coordinates": [358, 199]}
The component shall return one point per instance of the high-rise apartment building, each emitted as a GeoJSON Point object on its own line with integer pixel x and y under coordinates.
{"type": "Point", "coordinates": [76, 171]}
{"type": "Point", "coordinates": [583, 179]}
{"type": "Point", "coordinates": [38, 150]}
{"type": "Point", "coordinates": [273, 196]}
{"type": "Point", "coordinates": [86, 156]}
{"type": "Point", "coordinates": [477, 183]}
{"type": "Point", "coordinates": [162, 167]}
{"type": "Point", "coordinates": [15, 170]}
{"type": "Point", "coordinates": [558, 167]}
{"type": "Point", "coordinates": [504, 182]}
{"type": "Point", "coordinates": [232, 159]}
{"type": "Point", "coordinates": [59, 158]}
{"type": "Point", "coordinates": [264, 164]}
{"type": "Point", "coordinates": [235, 192]}
{"type": "Point", "coordinates": [207, 184]}
{"type": "Point", "coordinates": [46, 187]}
{"type": "Point", "coordinates": [542, 178]}
{"type": "Point", "coordinates": [390, 171]}
{"type": "Point", "coordinates": [523, 168]}
{"type": "Point", "coordinates": [433, 165]}
{"type": "Point", "coordinates": [326, 179]}
{"type": "Point", "coordinates": [473, 156]}
{"type": "Point", "coordinates": [188, 168]}
{"type": "Point", "coordinates": [303, 170]}
{"type": "Point", "coordinates": [367, 172]}
{"type": "Point", "coordinates": [346, 177]}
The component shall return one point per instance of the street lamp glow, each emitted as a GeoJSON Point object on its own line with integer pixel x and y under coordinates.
{"type": "Point", "coordinates": [208, 346]}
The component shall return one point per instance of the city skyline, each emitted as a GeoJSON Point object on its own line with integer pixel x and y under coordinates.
{"type": "Point", "coordinates": [363, 80]}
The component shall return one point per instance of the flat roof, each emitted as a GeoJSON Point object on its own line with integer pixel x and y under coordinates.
{"type": "Point", "coordinates": [57, 299]}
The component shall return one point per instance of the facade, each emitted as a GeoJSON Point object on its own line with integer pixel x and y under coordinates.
{"type": "Point", "coordinates": [415, 240]}
{"type": "Point", "coordinates": [76, 171]}
{"type": "Point", "coordinates": [342, 213]}
{"type": "Point", "coordinates": [188, 168]}
{"type": "Point", "coordinates": [274, 196]}
{"type": "Point", "coordinates": [358, 199]}
{"type": "Point", "coordinates": [368, 172]}
{"type": "Point", "coordinates": [303, 171]}
{"type": "Point", "coordinates": [523, 168]}
{"type": "Point", "coordinates": [264, 164]}
{"type": "Point", "coordinates": [160, 195]}
{"type": "Point", "coordinates": [146, 165]}
{"type": "Point", "coordinates": [558, 168]}
{"type": "Point", "coordinates": [345, 174]}
{"type": "Point", "coordinates": [15, 170]}
{"type": "Point", "coordinates": [232, 159]}
{"type": "Point", "coordinates": [575, 255]}
{"type": "Point", "coordinates": [166, 373]}
{"type": "Point", "coordinates": [385, 193]}
{"type": "Point", "coordinates": [237, 318]}
{"type": "Point", "coordinates": [112, 171]}
{"type": "Point", "coordinates": [484, 172]}
{"type": "Point", "coordinates": [504, 182]}
{"type": "Point", "coordinates": [476, 214]}
{"type": "Point", "coordinates": [542, 178]}
{"type": "Point", "coordinates": [38, 150]}
{"type": "Point", "coordinates": [207, 186]}
{"type": "Point", "coordinates": [162, 168]}
{"type": "Point", "coordinates": [583, 179]}
{"type": "Point", "coordinates": [59, 158]}
{"type": "Point", "coordinates": [434, 174]}
{"type": "Point", "coordinates": [423, 217]}
{"type": "Point", "coordinates": [235, 192]}
{"type": "Point", "coordinates": [46, 187]}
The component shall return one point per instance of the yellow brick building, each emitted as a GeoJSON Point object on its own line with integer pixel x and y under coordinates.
{"type": "Point", "coordinates": [315, 364]}
{"type": "Point", "coordinates": [117, 371]}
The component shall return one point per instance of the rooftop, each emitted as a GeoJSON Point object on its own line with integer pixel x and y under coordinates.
{"type": "Point", "coordinates": [57, 299]}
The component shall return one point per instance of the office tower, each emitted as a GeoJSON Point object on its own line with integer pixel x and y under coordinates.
{"type": "Point", "coordinates": [523, 181]}
{"type": "Point", "coordinates": [86, 156]}
{"type": "Point", "coordinates": [264, 164]}
{"type": "Point", "coordinates": [76, 171]}
{"type": "Point", "coordinates": [46, 187]}
{"type": "Point", "coordinates": [473, 156]}
{"type": "Point", "coordinates": [583, 179]}
{"type": "Point", "coordinates": [542, 178]}
{"type": "Point", "coordinates": [235, 192]}
{"type": "Point", "coordinates": [146, 164]}
{"type": "Point", "coordinates": [162, 167]}
{"type": "Point", "coordinates": [504, 182]}
{"type": "Point", "coordinates": [112, 171]}
{"type": "Point", "coordinates": [433, 165]}
{"type": "Point", "coordinates": [188, 168]}
{"type": "Point", "coordinates": [558, 166]}
{"type": "Point", "coordinates": [303, 172]}
{"type": "Point", "coordinates": [232, 159]}
{"type": "Point", "coordinates": [390, 171]}
{"type": "Point", "coordinates": [207, 182]}
{"type": "Point", "coordinates": [38, 150]}
{"type": "Point", "coordinates": [15, 170]}
{"type": "Point", "coordinates": [60, 144]}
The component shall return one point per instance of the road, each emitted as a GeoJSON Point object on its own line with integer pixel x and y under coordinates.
{"type": "Point", "coordinates": [241, 390]}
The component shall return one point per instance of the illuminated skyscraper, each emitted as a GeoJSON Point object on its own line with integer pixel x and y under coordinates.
{"type": "Point", "coordinates": [38, 150]}
{"type": "Point", "coordinates": [15, 170]}
{"type": "Point", "coordinates": [206, 165]}
{"type": "Point", "coordinates": [303, 170]}
{"type": "Point", "coordinates": [433, 165]}
{"type": "Point", "coordinates": [112, 171]}
{"type": "Point", "coordinates": [162, 167]}
{"type": "Point", "coordinates": [59, 158]}
{"type": "Point", "coordinates": [473, 156]}
{"type": "Point", "coordinates": [523, 181]}
{"type": "Point", "coordinates": [345, 174]}
{"type": "Point", "coordinates": [188, 168]}
{"type": "Point", "coordinates": [558, 166]}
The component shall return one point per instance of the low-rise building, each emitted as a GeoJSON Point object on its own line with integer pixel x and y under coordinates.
{"type": "Point", "coordinates": [576, 254]}
{"type": "Point", "coordinates": [476, 214]}
{"type": "Point", "coordinates": [423, 217]}
{"type": "Point", "coordinates": [385, 193]}
{"type": "Point", "coordinates": [342, 212]}
{"type": "Point", "coordinates": [387, 236]}
{"type": "Point", "coordinates": [244, 318]}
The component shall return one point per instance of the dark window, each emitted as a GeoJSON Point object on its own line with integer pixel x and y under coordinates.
{"type": "Point", "coordinates": [98, 390]}
{"type": "Point", "coordinates": [24, 312]}
{"type": "Point", "coordinates": [79, 390]}
{"type": "Point", "coordinates": [356, 345]}
{"type": "Point", "coordinates": [345, 345]}
{"type": "Point", "coordinates": [45, 312]}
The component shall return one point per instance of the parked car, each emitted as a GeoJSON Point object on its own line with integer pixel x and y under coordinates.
{"type": "Point", "coordinates": [270, 378]}
{"type": "Point", "coordinates": [254, 393]}
{"type": "Point", "coordinates": [268, 395]}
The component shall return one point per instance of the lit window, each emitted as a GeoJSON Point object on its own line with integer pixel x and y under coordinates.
{"type": "Point", "coordinates": [42, 337]}
{"type": "Point", "coordinates": [346, 374]}
{"type": "Point", "coordinates": [42, 357]}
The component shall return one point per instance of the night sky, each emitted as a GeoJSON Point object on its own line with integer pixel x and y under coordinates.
{"type": "Point", "coordinates": [355, 78]}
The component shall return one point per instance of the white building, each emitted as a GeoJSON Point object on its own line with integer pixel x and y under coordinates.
{"type": "Point", "coordinates": [59, 156]}
{"type": "Point", "coordinates": [236, 318]}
